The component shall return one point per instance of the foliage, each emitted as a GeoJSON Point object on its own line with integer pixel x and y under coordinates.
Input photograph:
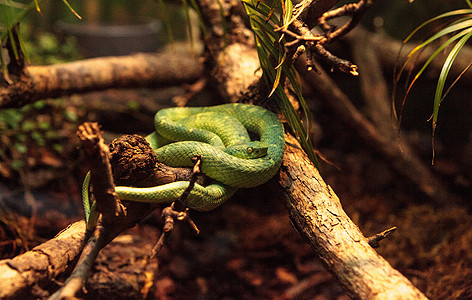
{"type": "Point", "coordinates": [265, 20]}
{"type": "Point", "coordinates": [40, 124]}
{"type": "Point", "coordinates": [457, 28]}
{"type": "Point", "coordinates": [11, 13]}
{"type": "Point", "coordinates": [270, 43]}
{"type": "Point", "coordinates": [47, 49]}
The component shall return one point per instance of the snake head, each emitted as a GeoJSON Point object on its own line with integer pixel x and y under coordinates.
{"type": "Point", "coordinates": [249, 150]}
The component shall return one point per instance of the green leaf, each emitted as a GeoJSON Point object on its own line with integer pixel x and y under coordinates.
{"type": "Point", "coordinates": [71, 9]}
{"type": "Point", "coordinates": [444, 72]}
{"type": "Point", "coordinates": [71, 115]}
{"type": "Point", "coordinates": [186, 9]}
{"type": "Point", "coordinates": [44, 125]}
{"type": "Point", "coordinates": [20, 147]}
{"type": "Point", "coordinates": [17, 164]}
{"type": "Point", "coordinates": [38, 138]}
{"type": "Point", "coordinates": [442, 16]}
{"type": "Point", "coordinates": [164, 15]}
{"type": "Point", "coordinates": [200, 17]}
{"type": "Point", "coordinates": [58, 147]}
{"type": "Point", "coordinates": [438, 51]}
{"type": "Point", "coordinates": [28, 125]}
{"type": "Point", "coordinates": [272, 55]}
{"type": "Point", "coordinates": [462, 24]}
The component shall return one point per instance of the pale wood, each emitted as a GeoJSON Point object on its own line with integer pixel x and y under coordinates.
{"type": "Point", "coordinates": [138, 70]}
{"type": "Point", "coordinates": [44, 262]}
{"type": "Point", "coordinates": [316, 212]}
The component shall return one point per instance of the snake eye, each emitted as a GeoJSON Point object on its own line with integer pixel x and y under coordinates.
{"type": "Point", "coordinates": [250, 149]}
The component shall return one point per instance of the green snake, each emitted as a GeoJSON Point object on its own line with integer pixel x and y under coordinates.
{"type": "Point", "coordinates": [219, 134]}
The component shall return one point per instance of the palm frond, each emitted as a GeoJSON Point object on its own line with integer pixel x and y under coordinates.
{"type": "Point", "coordinates": [453, 13]}
{"type": "Point", "coordinates": [458, 31]}
{"type": "Point", "coordinates": [444, 72]}
{"type": "Point", "coordinates": [435, 53]}
{"type": "Point", "coordinates": [70, 8]}
{"type": "Point", "coordinates": [270, 45]}
{"type": "Point", "coordinates": [11, 14]}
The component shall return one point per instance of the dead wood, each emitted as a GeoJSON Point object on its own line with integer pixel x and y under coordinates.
{"type": "Point", "coordinates": [26, 275]}
{"type": "Point", "coordinates": [150, 70]}
{"type": "Point", "coordinates": [388, 49]}
{"type": "Point", "coordinates": [134, 164]}
{"type": "Point", "coordinates": [317, 214]}
{"type": "Point", "coordinates": [313, 206]}
{"type": "Point", "coordinates": [395, 151]}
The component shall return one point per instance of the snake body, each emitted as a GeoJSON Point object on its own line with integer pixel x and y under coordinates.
{"type": "Point", "coordinates": [215, 133]}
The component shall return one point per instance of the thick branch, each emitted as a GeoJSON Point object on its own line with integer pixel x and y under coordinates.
{"type": "Point", "coordinates": [318, 216]}
{"type": "Point", "coordinates": [46, 261]}
{"type": "Point", "coordinates": [133, 162]}
{"type": "Point", "coordinates": [316, 212]}
{"type": "Point", "coordinates": [100, 73]}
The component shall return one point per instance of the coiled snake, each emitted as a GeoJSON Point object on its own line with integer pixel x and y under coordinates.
{"type": "Point", "coordinates": [219, 134]}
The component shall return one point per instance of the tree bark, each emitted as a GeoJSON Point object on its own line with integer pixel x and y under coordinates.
{"type": "Point", "coordinates": [38, 266]}
{"type": "Point", "coordinates": [152, 70]}
{"type": "Point", "coordinates": [317, 214]}
{"type": "Point", "coordinates": [313, 206]}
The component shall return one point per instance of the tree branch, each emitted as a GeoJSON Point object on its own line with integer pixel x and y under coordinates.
{"type": "Point", "coordinates": [316, 212]}
{"type": "Point", "coordinates": [41, 264]}
{"type": "Point", "coordinates": [396, 152]}
{"type": "Point", "coordinates": [97, 74]}
{"type": "Point", "coordinates": [317, 215]}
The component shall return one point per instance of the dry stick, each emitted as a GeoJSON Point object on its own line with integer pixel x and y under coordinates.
{"type": "Point", "coordinates": [310, 10]}
{"type": "Point", "coordinates": [314, 43]}
{"type": "Point", "coordinates": [76, 281]}
{"type": "Point", "coordinates": [318, 216]}
{"type": "Point", "coordinates": [374, 240]}
{"type": "Point", "coordinates": [106, 203]}
{"type": "Point", "coordinates": [356, 10]}
{"type": "Point", "coordinates": [178, 211]}
{"type": "Point", "coordinates": [19, 275]}
{"type": "Point", "coordinates": [101, 179]}
{"type": "Point", "coordinates": [398, 154]}
{"type": "Point", "coordinates": [314, 47]}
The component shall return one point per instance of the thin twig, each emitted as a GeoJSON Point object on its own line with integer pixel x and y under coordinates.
{"type": "Point", "coordinates": [374, 240]}
{"type": "Point", "coordinates": [314, 46]}
{"type": "Point", "coordinates": [178, 211]}
{"type": "Point", "coordinates": [76, 281]}
{"type": "Point", "coordinates": [356, 10]}
{"type": "Point", "coordinates": [101, 174]}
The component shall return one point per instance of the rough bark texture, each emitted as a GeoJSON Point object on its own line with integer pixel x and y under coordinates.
{"type": "Point", "coordinates": [318, 216]}
{"type": "Point", "coordinates": [38, 266]}
{"type": "Point", "coordinates": [41, 82]}
{"type": "Point", "coordinates": [316, 212]}
{"type": "Point", "coordinates": [313, 206]}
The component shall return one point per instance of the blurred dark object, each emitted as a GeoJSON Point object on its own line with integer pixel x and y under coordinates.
{"type": "Point", "coordinates": [113, 40]}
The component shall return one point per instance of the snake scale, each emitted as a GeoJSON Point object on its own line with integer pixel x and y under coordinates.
{"type": "Point", "coordinates": [219, 134]}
